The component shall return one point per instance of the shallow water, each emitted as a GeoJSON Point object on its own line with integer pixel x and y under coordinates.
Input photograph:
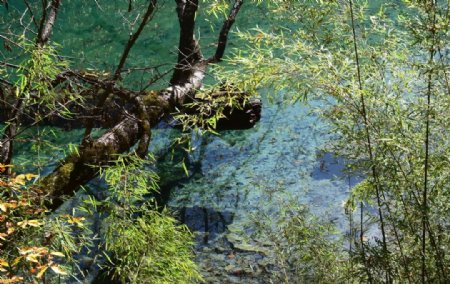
{"type": "Point", "coordinates": [254, 173]}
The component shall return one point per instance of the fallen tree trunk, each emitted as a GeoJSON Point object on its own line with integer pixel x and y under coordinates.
{"type": "Point", "coordinates": [134, 113]}
{"type": "Point", "coordinates": [81, 167]}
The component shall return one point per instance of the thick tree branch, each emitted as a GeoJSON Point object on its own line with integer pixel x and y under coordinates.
{"type": "Point", "coordinates": [188, 49]}
{"type": "Point", "coordinates": [131, 41]}
{"type": "Point", "coordinates": [46, 29]}
{"type": "Point", "coordinates": [80, 168]}
{"type": "Point", "coordinates": [42, 20]}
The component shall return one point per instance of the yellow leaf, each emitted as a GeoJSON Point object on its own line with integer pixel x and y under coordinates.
{"type": "Point", "coordinates": [20, 179]}
{"type": "Point", "coordinates": [25, 250]}
{"type": "Point", "coordinates": [35, 250]}
{"type": "Point", "coordinates": [31, 223]}
{"type": "Point", "coordinates": [58, 270]}
{"type": "Point", "coordinates": [4, 206]}
{"type": "Point", "coordinates": [74, 220]}
{"type": "Point", "coordinates": [41, 272]}
{"type": "Point", "coordinates": [33, 258]}
{"type": "Point", "coordinates": [30, 176]}
{"type": "Point", "coordinates": [12, 280]}
{"type": "Point", "coordinates": [57, 253]}
{"type": "Point", "coordinates": [35, 223]}
{"type": "Point", "coordinates": [12, 204]}
{"type": "Point", "coordinates": [22, 224]}
{"type": "Point", "coordinates": [3, 167]}
{"type": "Point", "coordinates": [16, 260]}
{"type": "Point", "coordinates": [3, 263]}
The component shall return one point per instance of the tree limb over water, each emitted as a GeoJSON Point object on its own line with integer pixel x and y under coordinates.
{"type": "Point", "coordinates": [139, 110]}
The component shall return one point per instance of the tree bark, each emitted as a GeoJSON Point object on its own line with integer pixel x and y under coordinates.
{"type": "Point", "coordinates": [188, 48]}
{"type": "Point", "coordinates": [47, 22]}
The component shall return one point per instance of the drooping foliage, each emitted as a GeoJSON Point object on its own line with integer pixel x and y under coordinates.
{"type": "Point", "coordinates": [142, 244]}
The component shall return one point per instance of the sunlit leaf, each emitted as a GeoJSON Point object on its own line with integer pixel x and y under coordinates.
{"type": "Point", "coordinates": [41, 272]}
{"type": "Point", "coordinates": [14, 279]}
{"type": "Point", "coordinates": [20, 179]}
{"type": "Point", "coordinates": [28, 250]}
{"type": "Point", "coordinates": [33, 258]}
{"type": "Point", "coordinates": [31, 223]}
{"type": "Point", "coordinates": [16, 260]}
{"type": "Point", "coordinates": [58, 270]}
{"type": "Point", "coordinates": [3, 167]}
{"type": "Point", "coordinates": [10, 230]}
{"type": "Point", "coordinates": [74, 220]}
{"type": "Point", "coordinates": [3, 263]}
{"type": "Point", "coordinates": [30, 176]}
{"type": "Point", "coordinates": [12, 204]}
{"type": "Point", "coordinates": [183, 164]}
{"type": "Point", "coordinates": [57, 253]}
{"type": "Point", "coordinates": [4, 206]}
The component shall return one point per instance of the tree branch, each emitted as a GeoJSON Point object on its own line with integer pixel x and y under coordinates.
{"type": "Point", "coordinates": [223, 36]}
{"type": "Point", "coordinates": [146, 111]}
{"type": "Point", "coordinates": [131, 41]}
{"type": "Point", "coordinates": [80, 168]}
{"type": "Point", "coordinates": [188, 49]}
{"type": "Point", "coordinates": [46, 29]}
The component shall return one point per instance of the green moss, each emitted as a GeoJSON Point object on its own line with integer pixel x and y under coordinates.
{"type": "Point", "coordinates": [66, 169]}
{"type": "Point", "coordinates": [53, 182]}
{"type": "Point", "coordinates": [151, 99]}
{"type": "Point", "coordinates": [60, 177]}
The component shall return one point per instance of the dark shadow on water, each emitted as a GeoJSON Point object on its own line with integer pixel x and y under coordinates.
{"type": "Point", "coordinates": [206, 222]}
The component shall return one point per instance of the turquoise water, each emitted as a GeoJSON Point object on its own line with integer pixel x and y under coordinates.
{"type": "Point", "coordinates": [252, 174]}
{"type": "Point", "coordinates": [244, 174]}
